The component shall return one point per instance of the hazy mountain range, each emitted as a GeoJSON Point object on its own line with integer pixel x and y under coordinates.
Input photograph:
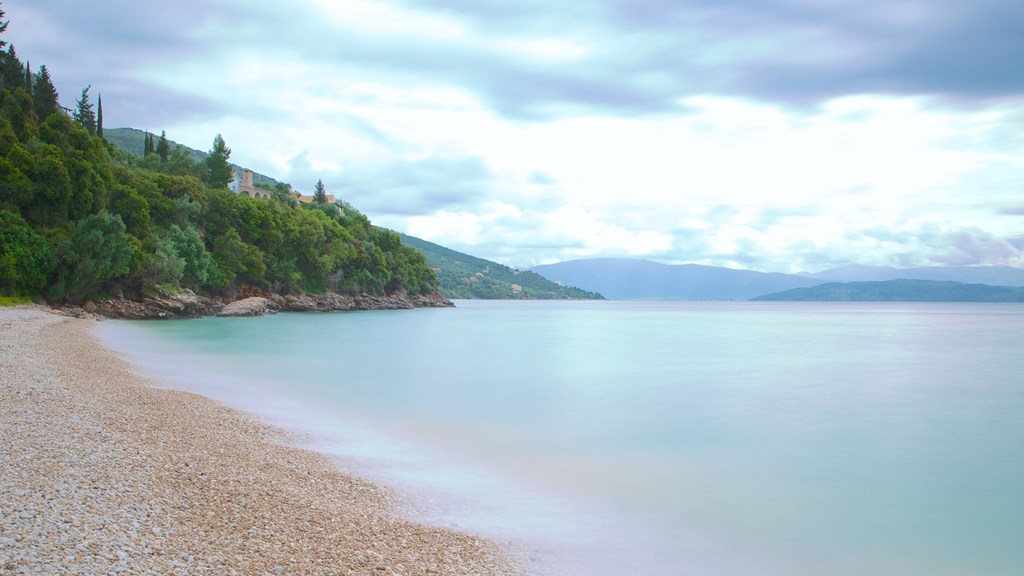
{"type": "Point", "coordinates": [632, 279]}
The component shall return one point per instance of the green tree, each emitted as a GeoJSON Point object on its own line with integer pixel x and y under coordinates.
{"type": "Point", "coordinates": [199, 265]}
{"type": "Point", "coordinates": [320, 193]}
{"type": "Point", "coordinates": [3, 25]}
{"type": "Point", "coordinates": [216, 170]}
{"type": "Point", "coordinates": [44, 95]}
{"type": "Point", "coordinates": [181, 163]}
{"type": "Point", "coordinates": [25, 256]}
{"type": "Point", "coordinates": [12, 69]}
{"type": "Point", "coordinates": [162, 265]}
{"type": "Point", "coordinates": [84, 114]}
{"type": "Point", "coordinates": [147, 144]}
{"type": "Point", "coordinates": [163, 149]}
{"type": "Point", "coordinates": [99, 116]}
{"type": "Point", "coordinates": [98, 254]}
{"type": "Point", "coordinates": [18, 110]}
{"type": "Point", "coordinates": [16, 189]}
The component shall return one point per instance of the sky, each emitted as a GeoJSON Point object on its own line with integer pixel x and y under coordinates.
{"type": "Point", "coordinates": [771, 135]}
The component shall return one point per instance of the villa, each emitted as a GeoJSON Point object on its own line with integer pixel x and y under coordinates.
{"type": "Point", "coordinates": [246, 187]}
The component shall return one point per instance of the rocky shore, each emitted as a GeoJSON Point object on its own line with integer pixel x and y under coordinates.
{"type": "Point", "coordinates": [187, 304]}
{"type": "Point", "coordinates": [102, 472]}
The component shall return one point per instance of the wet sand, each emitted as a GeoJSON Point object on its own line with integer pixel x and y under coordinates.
{"type": "Point", "coordinates": [102, 471]}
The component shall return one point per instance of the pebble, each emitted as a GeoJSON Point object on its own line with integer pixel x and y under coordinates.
{"type": "Point", "coordinates": [149, 481]}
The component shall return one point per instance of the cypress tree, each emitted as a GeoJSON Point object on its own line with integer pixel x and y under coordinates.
{"type": "Point", "coordinates": [28, 77]}
{"type": "Point", "coordinates": [163, 149]}
{"type": "Point", "coordinates": [3, 25]}
{"type": "Point", "coordinates": [99, 116]}
{"type": "Point", "coordinates": [3, 28]}
{"type": "Point", "coordinates": [44, 95]}
{"type": "Point", "coordinates": [84, 113]}
{"type": "Point", "coordinates": [216, 170]}
{"type": "Point", "coordinates": [320, 193]}
{"type": "Point", "coordinates": [147, 145]}
{"type": "Point", "coordinates": [13, 72]}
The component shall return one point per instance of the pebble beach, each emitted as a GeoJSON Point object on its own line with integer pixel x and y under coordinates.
{"type": "Point", "coordinates": [104, 472]}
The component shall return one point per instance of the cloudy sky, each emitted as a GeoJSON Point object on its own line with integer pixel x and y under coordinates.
{"type": "Point", "coordinates": [774, 135]}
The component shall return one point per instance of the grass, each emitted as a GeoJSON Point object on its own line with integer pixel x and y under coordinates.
{"type": "Point", "coordinates": [14, 300]}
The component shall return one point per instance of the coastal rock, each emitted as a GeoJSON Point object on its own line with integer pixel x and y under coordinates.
{"type": "Point", "coordinates": [251, 302]}
{"type": "Point", "coordinates": [253, 306]}
{"type": "Point", "coordinates": [184, 304]}
{"type": "Point", "coordinates": [333, 302]}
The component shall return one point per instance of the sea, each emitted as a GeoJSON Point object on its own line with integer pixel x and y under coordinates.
{"type": "Point", "coordinates": [605, 438]}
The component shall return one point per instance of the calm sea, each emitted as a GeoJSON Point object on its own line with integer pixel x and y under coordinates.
{"type": "Point", "coordinates": [601, 438]}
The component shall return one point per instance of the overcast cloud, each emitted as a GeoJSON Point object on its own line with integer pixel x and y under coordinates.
{"type": "Point", "coordinates": [776, 135]}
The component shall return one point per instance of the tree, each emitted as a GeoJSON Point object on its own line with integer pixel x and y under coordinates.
{"type": "Point", "coordinates": [25, 256]}
{"type": "Point", "coordinates": [320, 193]}
{"type": "Point", "coordinates": [216, 170]}
{"type": "Point", "coordinates": [13, 71]}
{"type": "Point", "coordinates": [163, 149]}
{"type": "Point", "coordinates": [99, 116]}
{"type": "Point", "coordinates": [147, 145]}
{"type": "Point", "coordinates": [44, 95]}
{"type": "Point", "coordinates": [84, 113]}
{"type": "Point", "coordinates": [188, 245]}
{"type": "Point", "coordinates": [98, 253]}
{"type": "Point", "coordinates": [3, 25]}
{"type": "Point", "coordinates": [18, 110]}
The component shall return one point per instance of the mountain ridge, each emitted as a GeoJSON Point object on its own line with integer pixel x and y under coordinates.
{"type": "Point", "coordinates": [898, 290]}
{"type": "Point", "coordinates": [639, 279]}
{"type": "Point", "coordinates": [462, 276]}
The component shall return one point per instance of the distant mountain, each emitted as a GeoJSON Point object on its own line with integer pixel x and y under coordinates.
{"type": "Point", "coordinates": [992, 275]}
{"type": "Point", "coordinates": [901, 290]}
{"type": "Point", "coordinates": [464, 276]}
{"type": "Point", "coordinates": [133, 141]}
{"type": "Point", "coordinates": [632, 279]}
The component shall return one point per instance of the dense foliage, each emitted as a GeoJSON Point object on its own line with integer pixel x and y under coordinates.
{"type": "Point", "coordinates": [81, 219]}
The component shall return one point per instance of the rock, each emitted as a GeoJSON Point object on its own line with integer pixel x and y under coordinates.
{"type": "Point", "coordinates": [253, 306]}
{"type": "Point", "coordinates": [184, 304]}
{"type": "Point", "coordinates": [251, 302]}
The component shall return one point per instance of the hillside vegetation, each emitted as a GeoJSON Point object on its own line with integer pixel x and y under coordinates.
{"type": "Point", "coordinates": [82, 219]}
{"type": "Point", "coordinates": [464, 276]}
{"type": "Point", "coordinates": [134, 141]}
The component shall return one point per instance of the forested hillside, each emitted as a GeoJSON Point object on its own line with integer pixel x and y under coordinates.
{"type": "Point", "coordinates": [134, 141]}
{"type": "Point", "coordinates": [81, 219]}
{"type": "Point", "coordinates": [464, 276]}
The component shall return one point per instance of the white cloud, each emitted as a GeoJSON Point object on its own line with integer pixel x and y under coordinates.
{"type": "Point", "coordinates": [359, 91]}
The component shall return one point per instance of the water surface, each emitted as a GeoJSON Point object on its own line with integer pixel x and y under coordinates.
{"type": "Point", "coordinates": [804, 439]}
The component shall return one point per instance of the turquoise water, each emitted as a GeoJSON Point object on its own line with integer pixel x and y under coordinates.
{"type": "Point", "coordinates": [656, 438]}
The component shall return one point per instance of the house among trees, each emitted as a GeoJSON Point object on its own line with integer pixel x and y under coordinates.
{"type": "Point", "coordinates": [247, 188]}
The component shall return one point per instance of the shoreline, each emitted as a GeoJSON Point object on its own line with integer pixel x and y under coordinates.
{"type": "Point", "coordinates": [102, 471]}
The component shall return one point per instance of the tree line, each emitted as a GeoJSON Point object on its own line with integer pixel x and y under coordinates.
{"type": "Point", "coordinates": [82, 219]}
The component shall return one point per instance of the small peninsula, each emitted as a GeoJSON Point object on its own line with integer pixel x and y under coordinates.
{"type": "Point", "coordinates": [900, 290]}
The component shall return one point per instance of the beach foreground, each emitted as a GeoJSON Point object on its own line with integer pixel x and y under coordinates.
{"type": "Point", "coordinates": [101, 471]}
